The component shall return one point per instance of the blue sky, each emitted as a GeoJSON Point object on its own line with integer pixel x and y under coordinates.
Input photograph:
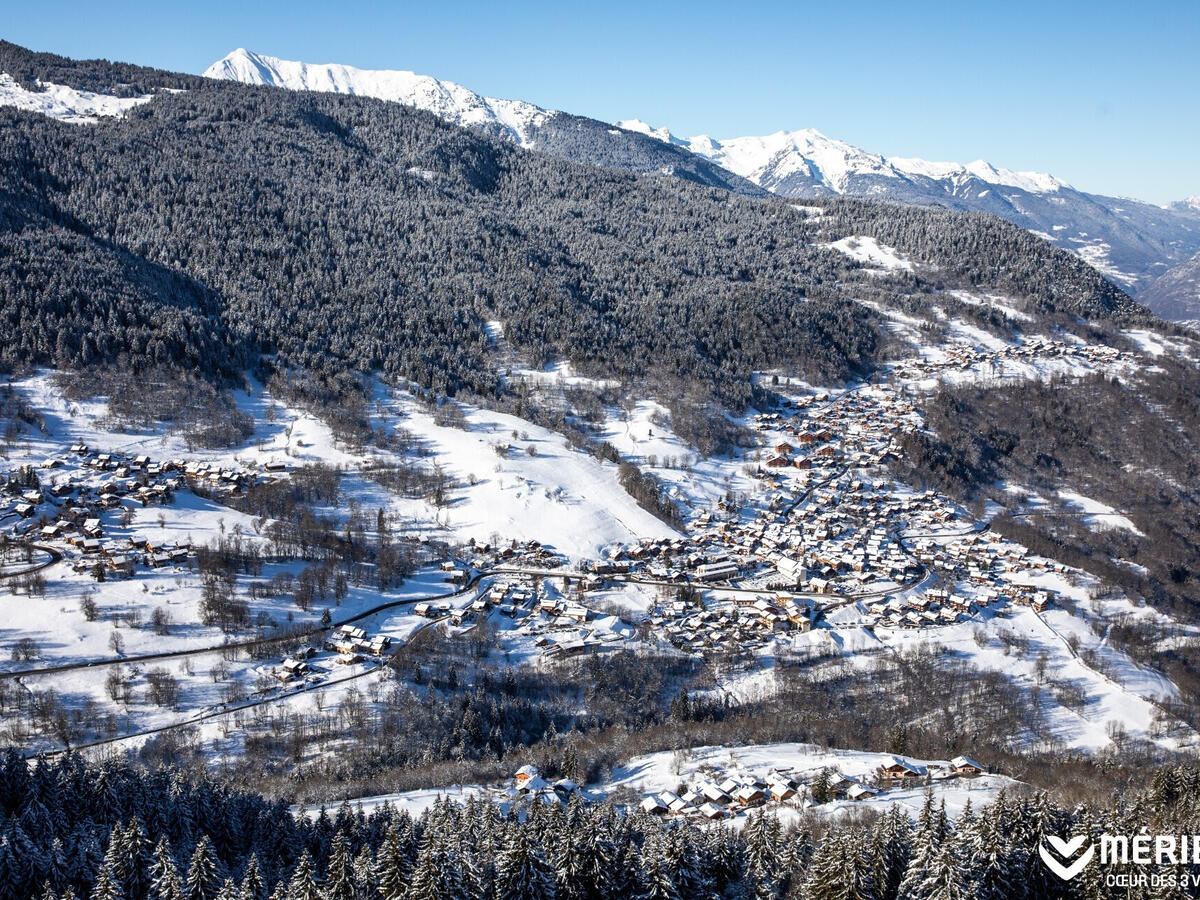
{"type": "Point", "coordinates": [1104, 95]}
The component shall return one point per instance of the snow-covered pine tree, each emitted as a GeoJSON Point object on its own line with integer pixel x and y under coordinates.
{"type": "Point", "coordinates": [926, 846]}
{"type": "Point", "coordinates": [163, 873]}
{"type": "Point", "coordinates": [522, 871]}
{"type": "Point", "coordinates": [393, 866]}
{"type": "Point", "coordinates": [303, 884]}
{"type": "Point", "coordinates": [253, 886]}
{"type": "Point", "coordinates": [436, 876]}
{"type": "Point", "coordinates": [106, 887]}
{"type": "Point", "coordinates": [993, 865]}
{"type": "Point", "coordinates": [339, 874]}
{"type": "Point", "coordinates": [364, 875]}
{"type": "Point", "coordinates": [763, 836]}
{"type": "Point", "coordinates": [204, 875]}
{"type": "Point", "coordinates": [889, 851]}
{"type": "Point", "coordinates": [840, 869]}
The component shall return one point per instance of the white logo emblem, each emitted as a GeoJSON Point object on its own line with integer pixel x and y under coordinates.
{"type": "Point", "coordinates": [1067, 850]}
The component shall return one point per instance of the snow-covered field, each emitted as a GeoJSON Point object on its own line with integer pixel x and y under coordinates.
{"type": "Point", "coordinates": [65, 103]}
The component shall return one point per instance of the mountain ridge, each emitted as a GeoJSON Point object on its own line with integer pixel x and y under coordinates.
{"type": "Point", "coordinates": [1127, 240]}
{"type": "Point", "coordinates": [532, 127]}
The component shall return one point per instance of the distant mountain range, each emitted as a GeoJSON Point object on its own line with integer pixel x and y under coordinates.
{"type": "Point", "coordinates": [550, 131]}
{"type": "Point", "coordinates": [1130, 241]}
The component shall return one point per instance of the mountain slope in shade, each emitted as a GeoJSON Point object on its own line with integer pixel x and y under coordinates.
{"type": "Point", "coordinates": [1129, 241]}
{"type": "Point", "coordinates": [532, 127]}
{"type": "Point", "coordinates": [1176, 295]}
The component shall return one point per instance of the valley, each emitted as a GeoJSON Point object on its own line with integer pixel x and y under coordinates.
{"type": "Point", "coordinates": [155, 605]}
{"type": "Point", "coordinates": [409, 494]}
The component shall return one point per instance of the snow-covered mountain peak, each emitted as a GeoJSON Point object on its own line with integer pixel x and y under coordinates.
{"type": "Point", "coordinates": [645, 128]}
{"type": "Point", "coordinates": [514, 119]}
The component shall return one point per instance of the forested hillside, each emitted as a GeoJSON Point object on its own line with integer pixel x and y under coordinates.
{"type": "Point", "coordinates": [112, 832]}
{"type": "Point", "coordinates": [340, 232]}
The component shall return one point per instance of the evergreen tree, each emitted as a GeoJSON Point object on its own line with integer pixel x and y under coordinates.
{"type": "Point", "coordinates": [436, 876]}
{"type": "Point", "coordinates": [106, 887]}
{"type": "Point", "coordinates": [163, 873]}
{"type": "Point", "coordinates": [204, 877]}
{"type": "Point", "coordinates": [364, 875]}
{"type": "Point", "coordinates": [522, 872]}
{"type": "Point", "coordinates": [763, 837]}
{"type": "Point", "coordinates": [339, 877]}
{"type": "Point", "coordinates": [253, 886]}
{"type": "Point", "coordinates": [393, 866]}
{"type": "Point", "coordinates": [303, 884]}
{"type": "Point", "coordinates": [840, 870]}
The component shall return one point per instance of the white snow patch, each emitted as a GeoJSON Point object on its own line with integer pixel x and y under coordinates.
{"type": "Point", "coordinates": [869, 252]}
{"type": "Point", "coordinates": [66, 103]}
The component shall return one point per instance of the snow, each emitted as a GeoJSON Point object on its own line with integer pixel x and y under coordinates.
{"type": "Point", "coordinates": [1149, 342]}
{"type": "Point", "coordinates": [664, 771]}
{"type": "Point", "coordinates": [806, 152]}
{"type": "Point", "coordinates": [1097, 515]}
{"type": "Point", "coordinates": [833, 163]}
{"type": "Point", "coordinates": [66, 103]}
{"type": "Point", "coordinates": [654, 773]}
{"type": "Point", "coordinates": [445, 99]}
{"type": "Point", "coordinates": [1034, 182]}
{"type": "Point", "coordinates": [993, 301]}
{"type": "Point", "coordinates": [872, 254]}
{"type": "Point", "coordinates": [641, 127]}
{"type": "Point", "coordinates": [555, 494]}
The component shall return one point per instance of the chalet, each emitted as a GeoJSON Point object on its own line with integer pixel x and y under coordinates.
{"type": "Point", "coordinates": [777, 462]}
{"type": "Point", "coordinates": [713, 793]}
{"type": "Point", "coordinates": [712, 812]}
{"type": "Point", "coordinates": [524, 774]}
{"type": "Point", "coordinates": [652, 806]}
{"type": "Point", "coordinates": [784, 449]}
{"type": "Point", "coordinates": [899, 770]}
{"type": "Point", "coordinates": [432, 609]}
{"type": "Point", "coordinates": [966, 767]}
{"type": "Point", "coordinates": [291, 668]}
{"type": "Point", "coordinates": [861, 792]}
{"type": "Point", "coordinates": [840, 786]}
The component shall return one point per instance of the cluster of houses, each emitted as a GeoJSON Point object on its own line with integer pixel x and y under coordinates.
{"type": "Point", "coordinates": [527, 554]}
{"type": "Point", "coordinates": [722, 795]}
{"type": "Point", "coordinates": [988, 561]}
{"type": "Point", "coordinates": [352, 643]}
{"type": "Point", "coordinates": [529, 784]}
{"type": "Point", "coordinates": [962, 357]}
{"type": "Point", "coordinates": [65, 500]}
{"type": "Point", "coordinates": [747, 620]}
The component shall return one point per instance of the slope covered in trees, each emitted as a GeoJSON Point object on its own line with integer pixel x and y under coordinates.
{"type": "Point", "coordinates": [115, 833]}
{"type": "Point", "coordinates": [339, 232]}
